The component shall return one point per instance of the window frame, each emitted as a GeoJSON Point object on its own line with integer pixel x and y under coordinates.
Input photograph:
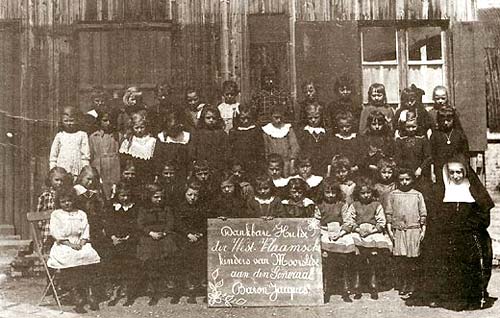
{"type": "Point", "coordinates": [403, 63]}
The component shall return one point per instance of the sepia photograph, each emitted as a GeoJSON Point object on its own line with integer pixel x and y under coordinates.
{"type": "Point", "coordinates": [249, 158]}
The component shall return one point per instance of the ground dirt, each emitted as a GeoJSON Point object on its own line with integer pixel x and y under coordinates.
{"type": "Point", "coordinates": [28, 290]}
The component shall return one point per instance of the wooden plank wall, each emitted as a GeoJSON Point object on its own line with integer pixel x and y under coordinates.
{"type": "Point", "coordinates": [469, 81]}
{"type": "Point", "coordinates": [45, 76]}
{"type": "Point", "coordinates": [493, 88]}
{"type": "Point", "coordinates": [120, 57]}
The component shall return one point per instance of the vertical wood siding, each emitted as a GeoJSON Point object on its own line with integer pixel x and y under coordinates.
{"type": "Point", "coordinates": [47, 66]}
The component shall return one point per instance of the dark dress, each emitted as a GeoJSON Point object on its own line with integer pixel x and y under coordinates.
{"type": "Point", "coordinates": [317, 146]}
{"type": "Point", "coordinates": [347, 146]}
{"type": "Point", "coordinates": [256, 209]}
{"type": "Point", "coordinates": [157, 219]}
{"type": "Point", "coordinates": [412, 153]}
{"type": "Point", "coordinates": [424, 121]}
{"type": "Point", "coordinates": [121, 222]}
{"type": "Point", "coordinates": [142, 158]}
{"type": "Point", "coordinates": [456, 251]}
{"type": "Point", "coordinates": [92, 203]}
{"type": "Point", "coordinates": [192, 219]}
{"type": "Point", "coordinates": [373, 148]}
{"type": "Point", "coordinates": [302, 209]}
{"type": "Point", "coordinates": [177, 152]}
{"type": "Point", "coordinates": [247, 148]}
{"type": "Point", "coordinates": [211, 145]}
{"type": "Point", "coordinates": [231, 206]}
{"type": "Point", "coordinates": [174, 191]}
{"type": "Point", "coordinates": [441, 151]}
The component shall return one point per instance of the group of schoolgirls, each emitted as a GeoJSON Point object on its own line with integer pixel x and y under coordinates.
{"type": "Point", "coordinates": [132, 186]}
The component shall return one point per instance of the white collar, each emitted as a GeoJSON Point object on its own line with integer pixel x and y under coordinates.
{"type": "Point", "coordinates": [315, 130]}
{"type": "Point", "coordinates": [352, 136]}
{"type": "Point", "coordinates": [141, 148]}
{"type": "Point", "coordinates": [184, 140]}
{"type": "Point", "coordinates": [246, 128]}
{"type": "Point", "coordinates": [281, 182]}
{"type": "Point", "coordinates": [92, 113]}
{"type": "Point", "coordinates": [306, 202]}
{"type": "Point", "coordinates": [117, 206]}
{"type": "Point", "coordinates": [403, 116]}
{"type": "Point", "coordinates": [234, 106]}
{"type": "Point", "coordinates": [198, 110]}
{"type": "Point", "coordinates": [274, 132]}
{"type": "Point", "coordinates": [349, 184]}
{"type": "Point", "coordinates": [312, 181]}
{"type": "Point", "coordinates": [80, 189]}
{"type": "Point", "coordinates": [456, 192]}
{"type": "Point", "coordinates": [264, 201]}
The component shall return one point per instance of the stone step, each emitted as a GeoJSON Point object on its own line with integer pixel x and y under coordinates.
{"type": "Point", "coordinates": [7, 229]}
{"type": "Point", "coordinates": [10, 237]}
{"type": "Point", "coordinates": [13, 247]}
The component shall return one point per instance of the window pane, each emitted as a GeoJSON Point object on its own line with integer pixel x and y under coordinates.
{"type": "Point", "coordinates": [424, 44]}
{"type": "Point", "coordinates": [379, 44]}
{"type": "Point", "coordinates": [426, 77]}
{"type": "Point", "coordinates": [384, 74]}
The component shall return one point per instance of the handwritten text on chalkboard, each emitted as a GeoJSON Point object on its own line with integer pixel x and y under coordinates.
{"type": "Point", "coordinates": [253, 262]}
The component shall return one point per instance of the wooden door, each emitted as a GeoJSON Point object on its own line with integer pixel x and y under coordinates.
{"type": "Point", "coordinates": [326, 51]}
{"type": "Point", "coordinates": [12, 154]}
{"type": "Point", "coordinates": [116, 56]}
{"type": "Point", "coordinates": [469, 82]}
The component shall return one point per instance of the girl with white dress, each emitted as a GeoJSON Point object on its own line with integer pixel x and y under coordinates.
{"type": "Point", "coordinates": [70, 148]}
{"type": "Point", "coordinates": [72, 251]}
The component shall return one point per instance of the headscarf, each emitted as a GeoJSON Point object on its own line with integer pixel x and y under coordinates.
{"type": "Point", "coordinates": [456, 192]}
{"type": "Point", "coordinates": [475, 188]}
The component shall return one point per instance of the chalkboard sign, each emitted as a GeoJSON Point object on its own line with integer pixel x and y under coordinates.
{"type": "Point", "coordinates": [254, 262]}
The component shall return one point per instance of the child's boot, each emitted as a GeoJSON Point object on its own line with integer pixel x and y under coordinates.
{"type": "Point", "coordinates": [359, 265]}
{"type": "Point", "coordinates": [93, 302]}
{"type": "Point", "coordinates": [373, 277]}
{"type": "Point", "coordinates": [191, 296]}
{"type": "Point", "coordinates": [357, 285]}
{"type": "Point", "coordinates": [131, 294]}
{"type": "Point", "coordinates": [345, 287]}
{"type": "Point", "coordinates": [175, 290]}
{"type": "Point", "coordinates": [191, 289]}
{"type": "Point", "coordinates": [80, 301]}
{"type": "Point", "coordinates": [155, 293]}
{"type": "Point", "coordinates": [410, 279]}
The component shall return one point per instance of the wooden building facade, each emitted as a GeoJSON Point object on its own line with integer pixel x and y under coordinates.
{"type": "Point", "coordinates": [53, 51]}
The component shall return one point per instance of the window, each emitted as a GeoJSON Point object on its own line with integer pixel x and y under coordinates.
{"type": "Point", "coordinates": [380, 60]}
{"type": "Point", "coordinates": [400, 57]}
